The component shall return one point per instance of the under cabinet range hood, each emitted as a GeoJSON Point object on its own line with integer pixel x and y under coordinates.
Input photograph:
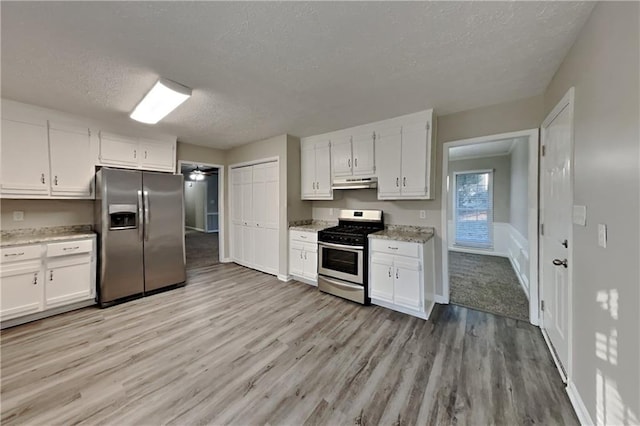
{"type": "Point", "coordinates": [355, 183]}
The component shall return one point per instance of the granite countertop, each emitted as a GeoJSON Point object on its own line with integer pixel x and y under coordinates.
{"type": "Point", "coordinates": [310, 225]}
{"type": "Point", "coordinates": [44, 235]}
{"type": "Point", "coordinates": [410, 234]}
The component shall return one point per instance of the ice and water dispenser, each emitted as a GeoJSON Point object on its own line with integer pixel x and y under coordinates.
{"type": "Point", "coordinates": [122, 216]}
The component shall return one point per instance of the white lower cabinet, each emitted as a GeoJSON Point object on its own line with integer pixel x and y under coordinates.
{"type": "Point", "coordinates": [40, 277]}
{"type": "Point", "coordinates": [303, 256]}
{"type": "Point", "coordinates": [402, 276]}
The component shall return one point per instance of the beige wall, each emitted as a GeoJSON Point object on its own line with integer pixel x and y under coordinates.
{"type": "Point", "coordinates": [297, 209]}
{"type": "Point", "coordinates": [268, 148]}
{"type": "Point", "coordinates": [603, 67]}
{"type": "Point", "coordinates": [194, 203]}
{"type": "Point", "coordinates": [501, 166]}
{"type": "Point", "coordinates": [200, 154]}
{"type": "Point", "coordinates": [46, 213]}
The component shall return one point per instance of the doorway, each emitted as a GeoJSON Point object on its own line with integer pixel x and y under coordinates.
{"type": "Point", "coordinates": [202, 211]}
{"type": "Point", "coordinates": [490, 245]}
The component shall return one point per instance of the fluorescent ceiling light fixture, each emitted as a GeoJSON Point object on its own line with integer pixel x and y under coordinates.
{"type": "Point", "coordinates": [164, 97]}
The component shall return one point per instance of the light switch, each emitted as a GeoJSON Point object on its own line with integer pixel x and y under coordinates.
{"type": "Point", "coordinates": [602, 235]}
{"type": "Point", "coordinates": [580, 215]}
{"type": "Point", "coordinates": [18, 216]}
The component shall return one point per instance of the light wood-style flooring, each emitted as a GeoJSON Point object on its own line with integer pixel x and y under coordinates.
{"type": "Point", "coordinates": [236, 346]}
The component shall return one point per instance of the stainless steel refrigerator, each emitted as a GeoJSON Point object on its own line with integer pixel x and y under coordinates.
{"type": "Point", "coordinates": [140, 226]}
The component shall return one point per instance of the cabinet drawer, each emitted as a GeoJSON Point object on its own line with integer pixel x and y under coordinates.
{"type": "Point", "coordinates": [15, 254]}
{"type": "Point", "coordinates": [69, 247]}
{"type": "Point", "coordinates": [400, 248]}
{"type": "Point", "coordinates": [305, 237]}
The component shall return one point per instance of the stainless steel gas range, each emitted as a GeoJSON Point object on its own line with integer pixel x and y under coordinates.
{"type": "Point", "coordinates": [343, 254]}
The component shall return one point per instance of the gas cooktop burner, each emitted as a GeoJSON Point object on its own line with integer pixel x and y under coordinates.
{"type": "Point", "coordinates": [353, 227]}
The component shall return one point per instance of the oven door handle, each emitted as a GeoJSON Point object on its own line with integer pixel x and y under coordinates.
{"type": "Point", "coordinates": [341, 246]}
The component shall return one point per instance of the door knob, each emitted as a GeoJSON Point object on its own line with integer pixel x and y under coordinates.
{"type": "Point", "coordinates": [559, 262]}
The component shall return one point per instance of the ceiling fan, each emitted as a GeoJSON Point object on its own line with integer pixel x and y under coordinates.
{"type": "Point", "coordinates": [198, 174]}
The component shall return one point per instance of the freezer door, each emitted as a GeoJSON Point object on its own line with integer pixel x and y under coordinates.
{"type": "Point", "coordinates": [121, 271]}
{"type": "Point", "coordinates": [164, 261]}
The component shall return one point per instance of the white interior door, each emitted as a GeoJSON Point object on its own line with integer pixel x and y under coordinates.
{"type": "Point", "coordinates": [555, 239]}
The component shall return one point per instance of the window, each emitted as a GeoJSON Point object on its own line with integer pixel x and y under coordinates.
{"type": "Point", "coordinates": [473, 207]}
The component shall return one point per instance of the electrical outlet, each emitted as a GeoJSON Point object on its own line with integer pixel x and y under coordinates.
{"type": "Point", "coordinates": [602, 235]}
{"type": "Point", "coordinates": [423, 214]}
{"type": "Point", "coordinates": [18, 216]}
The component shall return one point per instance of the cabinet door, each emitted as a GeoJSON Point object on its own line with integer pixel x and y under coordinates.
{"type": "Point", "coordinates": [414, 161]}
{"type": "Point", "coordinates": [363, 154]}
{"type": "Point", "coordinates": [307, 171]}
{"type": "Point", "coordinates": [388, 158]}
{"type": "Point", "coordinates": [323, 171]}
{"type": "Point", "coordinates": [296, 259]}
{"type": "Point", "coordinates": [72, 168]}
{"type": "Point", "coordinates": [157, 155]}
{"type": "Point", "coordinates": [382, 277]}
{"type": "Point", "coordinates": [20, 291]}
{"type": "Point", "coordinates": [118, 150]}
{"type": "Point", "coordinates": [68, 281]}
{"type": "Point", "coordinates": [310, 261]}
{"type": "Point", "coordinates": [408, 283]}
{"type": "Point", "coordinates": [341, 156]}
{"type": "Point", "coordinates": [25, 159]}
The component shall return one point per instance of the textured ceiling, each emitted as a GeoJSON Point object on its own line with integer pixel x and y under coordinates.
{"type": "Point", "coordinates": [260, 69]}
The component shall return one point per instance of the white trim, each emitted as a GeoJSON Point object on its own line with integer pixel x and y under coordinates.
{"type": "Point", "coordinates": [578, 405]}
{"type": "Point", "coordinates": [226, 260]}
{"type": "Point", "coordinates": [221, 227]}
{"type": "Point", "coordinates": [475, 157]}
{"type": "Point", "coordinates": [285, 278]}
{"type": "Point", "coordinates": [490, 220]}
{"type": "Point", "coordinates": [563, 374]}
{"type": "Point", "coordinates": [254, 162]}
{"type": "Point", "coordinates": [195, 229]}
{"type": "Point", "coordinates": [398, 308]}
{"type": "Point", "coordinates": [532, 135]}
{"type": "Point", "coordinates": [303, 280]}
{"type": "Point", "coordinates": [438, 298]}
{"type": "Point", "coordinates": [567, 101]}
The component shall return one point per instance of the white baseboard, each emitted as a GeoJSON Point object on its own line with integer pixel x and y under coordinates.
{"type": "Point", "coordinates": [438, 298]}
{"type": "Point", "coordinates": [285, 278]}
{"type": "Point", "coordinates": [477, 251]}
{"type": "Point", "coordinates": [304, 280]}
{"type": "Point", "coordinates": [226, 260]}
{"type": "Point", "coordinates": [412, 312]}
{"type": "Point", "coordinates": [525, 288]}
{"type": "Point", "coordinates": [48, 313]}
{"type": "Point", "coordinates": [578, 405]}
{"type": "Point", "coordinates": [195, 229]}
{"type": "Point", "coordinates": [556, 361]}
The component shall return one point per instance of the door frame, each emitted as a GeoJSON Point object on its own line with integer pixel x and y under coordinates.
{"type": "Point", "coordinates": [221, 213]}
{"type": "Point", "coordinates": [567, 101]}
{"type": "Point", "coordinates": [532, 228]}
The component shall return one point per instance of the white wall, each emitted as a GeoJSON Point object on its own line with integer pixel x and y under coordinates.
{"type": "Point", "coordinates": [194, 203]}
{"type": "Point", "coordinates": [518, 200]}
{"type": "Point", "coordinates": [603, 66]}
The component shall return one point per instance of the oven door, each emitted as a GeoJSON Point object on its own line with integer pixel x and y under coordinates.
{"type": "Point", "coordinates": [341, 261]}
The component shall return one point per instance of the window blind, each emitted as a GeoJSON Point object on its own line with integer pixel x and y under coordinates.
{"type": "Point", "coordinates": [474, 209]}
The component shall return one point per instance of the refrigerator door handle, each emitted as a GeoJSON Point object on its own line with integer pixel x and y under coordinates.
{"type": "Point", "coordinates": [140, 213]}
{"type": "Point", "coordinates": [146, 215]}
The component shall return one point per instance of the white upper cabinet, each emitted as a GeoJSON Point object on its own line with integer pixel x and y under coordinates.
{"type": "Point", "coordinates": [353, 154]}
{"type": "Point", "coordinates": [72, 169]}
{"type": "Point", "coordinates": [315, 169]}
{"type": "Point", "coordinates": [405, 158]}
{"type": "Point", "coordinates": [25, 159]}
{"type": "Point", "coordinates": [146, 154]}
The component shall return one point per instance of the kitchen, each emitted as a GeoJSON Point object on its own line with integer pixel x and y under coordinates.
{"type": "Point", "coordinates": [327, 304]}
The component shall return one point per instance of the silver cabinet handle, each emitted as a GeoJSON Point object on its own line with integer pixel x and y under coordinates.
{"type": "Point", "coordinates": [349, 162]}
{"type": "Point", "coordinates": [305, 255]}
{"type": "Point", "coordinates": [14, 254]}
{"type": "Point", "coordinates": [51, 275]}
{"type": "Point", "coordinates": [404, 181]}
{"type": "Point", "coordinates": [147, 216]}
{"type": "Point", "coordinates": [397, 182]}
{"type": "Point", "coordinates": [70, 248]}
{"type": "Point", "coordinates": [355, 162]}
{"type": "Point", "coordinates": [303, 237]}
{"type": "Point", "coordinates": [397, 273]}
{"type": "Point", "coordinates": [145, 154]}
{"type": "Point", "coordinates": [55, 180]}
{"type": "Point", "coordinates": [35, 278]}
{"type": "Point", "coordinates": [140, 215]}
{"type": "Point", "coordinates": [317, 185]}
{"type": "Point", "coordinates": [389, 272]}
{"type": "Point", "coordinates": [135, 153]}
{"type": "Point", "coordinates": [392, 248]}
{"type": "Point", "coordinates": [314, 185]}
{"type": "Point", "coordinates": [300, 254]}
{"type": "Point", "coordinates": [42, 178]}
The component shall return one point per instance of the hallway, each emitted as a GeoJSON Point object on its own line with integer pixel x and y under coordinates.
{"type": "Point", "coordinates": [201, 249]}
